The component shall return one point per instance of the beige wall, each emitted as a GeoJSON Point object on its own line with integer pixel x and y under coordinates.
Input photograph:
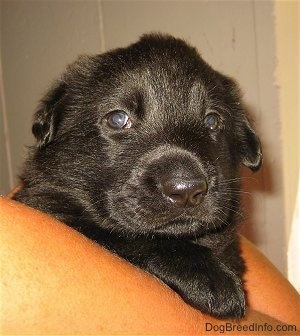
{"type": "Point", "coordinates": [38, 39]}
{"type": "Point", "coordinates": [287, 25]}
{"type": "Point", "coordinates": [236, 37]}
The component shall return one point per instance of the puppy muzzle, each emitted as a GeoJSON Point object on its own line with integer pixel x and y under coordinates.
{"type": "Point", "coordinates": [176, 176]}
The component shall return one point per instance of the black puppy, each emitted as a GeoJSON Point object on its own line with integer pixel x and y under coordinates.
{"type": "Point", "coordinates": [139, 149]}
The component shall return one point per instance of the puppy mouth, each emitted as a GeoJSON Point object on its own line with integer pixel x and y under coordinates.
{"type": "Point", "coordinates": [183, 226]}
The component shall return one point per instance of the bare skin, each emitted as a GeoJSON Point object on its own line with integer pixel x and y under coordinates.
{"type": "Point", "coordinates": [56, 281]}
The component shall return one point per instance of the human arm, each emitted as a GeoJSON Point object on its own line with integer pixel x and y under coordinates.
{"type": "Point", "coordinates": [54, 280]}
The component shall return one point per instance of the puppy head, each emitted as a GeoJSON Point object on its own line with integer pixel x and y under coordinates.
{"type": "Point", "coordinates": [148, 139]}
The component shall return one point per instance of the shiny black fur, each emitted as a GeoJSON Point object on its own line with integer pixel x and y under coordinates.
{"type": "Point", "coordinates": [107, 183]}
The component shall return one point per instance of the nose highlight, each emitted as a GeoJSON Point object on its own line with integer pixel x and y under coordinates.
{"type": "Point", "coordinates": [185, 193]}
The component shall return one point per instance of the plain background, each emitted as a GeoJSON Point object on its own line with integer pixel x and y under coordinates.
{"type": "Point", "coordinates": [256, 42]}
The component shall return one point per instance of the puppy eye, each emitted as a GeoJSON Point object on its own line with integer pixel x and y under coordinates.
{"type": "Point", "coordinates": [212, 121]}
{"type": "Point", "coordinates": [118, 119]}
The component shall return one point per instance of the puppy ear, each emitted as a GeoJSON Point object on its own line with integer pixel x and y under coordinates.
{"type": "Point", "coordinates": [248, 142]}
{"type": "Point", "coordinates": [47, 116]}
{"type": "Point", "coordinates": [250, 148]}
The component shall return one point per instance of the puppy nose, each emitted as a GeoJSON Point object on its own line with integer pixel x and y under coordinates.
{"type": "Point", "coordinates": [185, 193]}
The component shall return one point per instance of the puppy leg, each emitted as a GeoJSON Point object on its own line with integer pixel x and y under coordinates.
{"type": "Point", "coordinates": [191, 270]}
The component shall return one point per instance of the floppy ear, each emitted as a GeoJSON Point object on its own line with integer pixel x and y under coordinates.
{"type": "Point", "coordinates": [250, 148]}
{"type": "Point", "coordinates": [47, 116]}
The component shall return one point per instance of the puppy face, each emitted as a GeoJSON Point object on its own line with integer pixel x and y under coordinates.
{"type": "Point", "coordinates": [146, 139]}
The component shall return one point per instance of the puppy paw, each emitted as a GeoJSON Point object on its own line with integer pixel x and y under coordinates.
{"type": "Point", "coordinates": [227, 297]}
{"type": "Point", "coordinates": [219, 294]}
